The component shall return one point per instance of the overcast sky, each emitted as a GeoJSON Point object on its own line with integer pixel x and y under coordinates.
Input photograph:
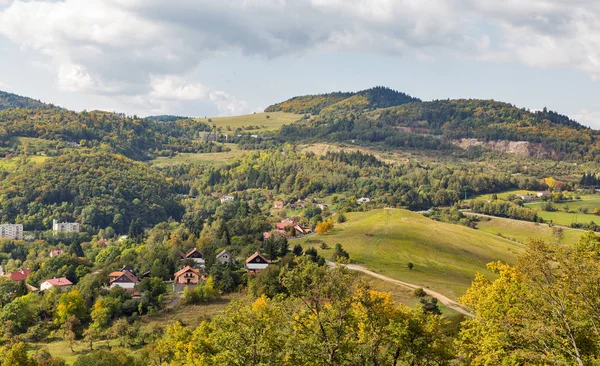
{"type": "Point", "coordinates": [222, 57]}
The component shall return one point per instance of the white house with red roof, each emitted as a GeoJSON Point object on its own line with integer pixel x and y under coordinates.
{"type": "Point", "coordinates": [56, 252]}
{"type": "Point", "coordinates": [62, 283]}
{"type": "Point", "coordinates": [20, 275]}
{"type": "Point", "coordinates": [124, 279]}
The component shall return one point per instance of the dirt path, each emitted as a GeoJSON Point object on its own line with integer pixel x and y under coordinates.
{"type": "Point", "coordinates": [441, 298]}
{"type": "Point", "coordinates": [469, 213]}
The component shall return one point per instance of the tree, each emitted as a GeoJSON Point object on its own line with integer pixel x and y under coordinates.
{"type": "Point", "coordinates": [324, 227]}
{"type": "Point", "coordinates": [17, 356]}
{"type": "Point", "coordinates": [339, 254]}
{"type": "Point", "coordinates": [298, 250]}
{"type": "Point", "coordinates": [69, 328]}
{"type": "Point", "coordinates": [539, 311]}
{"type": "Point", "coordinates": [71, 304]}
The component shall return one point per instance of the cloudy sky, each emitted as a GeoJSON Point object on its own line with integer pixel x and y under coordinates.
{"type": "Point", "coordinates": [222, 57]}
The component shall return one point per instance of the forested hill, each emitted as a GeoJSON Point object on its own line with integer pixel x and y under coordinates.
{"type": "Point", "coordinates": [9, 100]}
{"type": "Point", "coordinates": [441, 124]}
{"type": "Point", "coordinates": [133, 137]}
{"type": "Point", "coordinates": [99, 188]}
{"type": "Point", "coordinates": [377, 97]}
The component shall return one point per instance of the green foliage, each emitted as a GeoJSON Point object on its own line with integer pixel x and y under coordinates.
{"type": "Point", "coordinates": [9, 100]}
{"type": "Point", "coordinates": [96, 187]}
{"type": "Point", "coordinates": [505, 209]}
{"type": "Point", "coordinates": [377, 97]}
{"type": "Point", "coordinates": [202, 293]}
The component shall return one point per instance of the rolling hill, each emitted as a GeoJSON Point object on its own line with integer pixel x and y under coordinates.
{"type": "Point", "coordinates": [9, 100]}
{"type": "Point", "coordinates": [377, 97]}
{"type": "Point", "coordinates": [446, 124]}
{"type": "Point", "coordinates": [445, 256]}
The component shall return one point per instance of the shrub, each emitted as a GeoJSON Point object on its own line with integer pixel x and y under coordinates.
{"type": "Point", "coordinates": [419, 292]}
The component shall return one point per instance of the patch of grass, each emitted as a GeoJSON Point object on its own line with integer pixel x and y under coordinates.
{"type": "Point", "coordinates": [560, 217]}
{"type": "Point", "coordinates": [521, 231]}
{"type": "Point", "coordinates": [445, 256]}
{"type": "Point", "coordinates": [274, 122]}
{"type": "Point", "coordinates": [215, 159]}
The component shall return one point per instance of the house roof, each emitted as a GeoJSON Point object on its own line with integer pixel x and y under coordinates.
{"type": "Point", "coordinates": [187, 269]}
{"type": "Point", "coordinates": [128, 275]}
{"type": "Point", "coordinates": [57, 251]}
{"type": "Point", "coordinates": [195, 250]}
{"type": "Point", "coordinates": [224, 251]}
{"type": "Point", "coordinates": [19, 275]}
{"type": "Point", "coordinates": [257, 254]}
{"type": "Point", "coordinates": [57, 282]}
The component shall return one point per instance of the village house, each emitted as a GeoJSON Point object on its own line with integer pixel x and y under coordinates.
{"type": "Point", "coordinates": [256, 262]}
{"type": "Point", "coordinates": [65, 227]}
{"type": "Point", "coordinates": [227, 199]}
{"type": "Point", "coordinates": [285, 225]}
{"type": "Point", "coordinates": [186, 277]}
{"type": "Point", "coordinates": [322, 206]}
{"type": "Point", "coordinates": [20, 275]}
{"type": "Point", "coordinates": [298, 204]}
{"type": "Point", "coordinates": [11, 231]}
{"type": "Point", "coordinates": [56, 252]}
{"type": "Point", "coordinates": [125, 279]}
{"type": "Point", "coordinates": [543, 194]}
{"type": "Point", "coordinates": [225, 257]}
{"type": "Point", "coordinates": [195, 256]}
{"type": "Point", "coordinates": [62, 283]}
{"type": "Point", "coordinates": [278, 204]}
{"type": "Point", "coordinates": [362, 200]}
{"type": "Point", "coordinates": [526, 197]}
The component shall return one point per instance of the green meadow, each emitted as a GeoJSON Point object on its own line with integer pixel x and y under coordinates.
{"type": "Point", "coordinates": [445, 256]}
{"type": "Point", "coordinates": [264, 121]}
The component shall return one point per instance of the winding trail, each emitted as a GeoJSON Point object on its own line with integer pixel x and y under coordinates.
{"type": "Point", "coordinates": [441, 298]}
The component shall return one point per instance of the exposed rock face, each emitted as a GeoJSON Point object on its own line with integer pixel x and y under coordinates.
{"type": "Point", "coordinates": [520, 148]}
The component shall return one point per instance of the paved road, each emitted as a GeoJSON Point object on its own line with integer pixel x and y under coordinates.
{"type": "Point", "coordinates": [441, 298]}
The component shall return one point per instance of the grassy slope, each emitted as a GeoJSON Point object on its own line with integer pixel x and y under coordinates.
{"type": "Point", "coordinates": [445, 256]}
{"type": "Point", "coordinates": [522, 230]}
{"type": "Point", "coordinates": [561, 217]}
{"type": "Point", "coordinates": [276, 120]}
{"type": "Point", "coordinates": [204, 158]}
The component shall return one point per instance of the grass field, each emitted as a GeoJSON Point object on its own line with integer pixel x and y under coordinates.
{"type": "Point", "coordinates": [521, 231]}
{"type": "Point", "coordinates": [445, 256]}
{"type": "Point", "coordinates": [274, 122]}
{"type": "Point", "coordinates": [12, 162]}
{"type": "Point", "coordinates": [561, 217]}
{"type": "Point", "coordinates": [205, 158]}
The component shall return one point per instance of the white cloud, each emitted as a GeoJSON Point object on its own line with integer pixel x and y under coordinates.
{"type": "Point", "coordinates": [588, 117]}
{"type": "Point", "coordinates": [143, 49]}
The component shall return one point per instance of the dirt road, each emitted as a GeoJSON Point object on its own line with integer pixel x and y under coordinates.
{"type": "Point", "coordinates": [441, 298]}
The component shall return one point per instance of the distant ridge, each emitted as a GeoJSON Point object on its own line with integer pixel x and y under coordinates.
{"type": "Point", "coordinates": [9, 100]}
{"type": "Point", "coordinates": [377, 97]}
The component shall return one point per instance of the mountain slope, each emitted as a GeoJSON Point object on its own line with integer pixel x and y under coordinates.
{"type": "Point", "coordinates": [442, 124]}
{"type": "Point", "coordinates": [9, 100]}
{"type": "Point", "coordinates": [377, 97]}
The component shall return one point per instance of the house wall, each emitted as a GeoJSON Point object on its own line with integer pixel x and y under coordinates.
{"type": "Point", "coordinates": [255, 266]}
{"type": "Point", "coordinates": [126, 285]}
{"type": "Point", "coordinates": [183, 279]}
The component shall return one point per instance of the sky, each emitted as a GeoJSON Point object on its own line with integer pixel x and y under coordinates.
{"type": "Point", "coordinates": [230, 57]}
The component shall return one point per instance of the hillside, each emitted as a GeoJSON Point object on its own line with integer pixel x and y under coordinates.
{"type": "Point", "coordinates": [377, 97]}
{"type": "Point", "coordinates": [130, 136]}
{"type": "Point", "coordinates": [9, 100]}
{"type": "Point", "coordinates": [97, 188]}
{"type": "Point", "coordinates": [445, 256]}
{"type": "Point", "coordinates": [444, 124]}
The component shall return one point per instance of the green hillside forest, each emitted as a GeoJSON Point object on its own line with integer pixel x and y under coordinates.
{"type": "Point", "coordinates": [173, 240]}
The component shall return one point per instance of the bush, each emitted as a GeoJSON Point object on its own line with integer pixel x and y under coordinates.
{"type": "Point", "coordinates": [341, 218]}
{"type": "Point", "coordinates": [201, 294]}
{"type": "Point", "coordinates": [419, 292]}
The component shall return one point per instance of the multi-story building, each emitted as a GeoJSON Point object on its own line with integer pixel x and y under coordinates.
{"type": "Point", "coordinates": [65, 227]}
{"type": "Point", "coordinates": [11, 231]}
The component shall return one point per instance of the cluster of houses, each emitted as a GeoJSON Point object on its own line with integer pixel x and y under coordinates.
{"type": "Point", "coordinates": [190, 275]}
{"type": "Point", "coordinates": [15, 231]}
{"type": "Point", "coordinates": [530, 197]}
{"type": "Point", "coordinates": [298, 204]}
{"type": "Point", "coordinates": [127, 279]}
{"type": "Point", "coordinates": [286, 225]}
